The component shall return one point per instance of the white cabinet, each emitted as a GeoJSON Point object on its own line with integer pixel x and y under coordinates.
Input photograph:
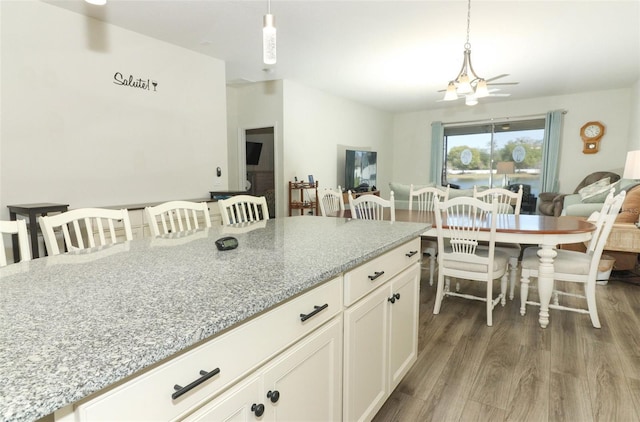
{"type": "Point", "coordinates": [304, 383]}
{"type": "Point", "coordinates": [235, 353]}
{"type": "Point", "coordinates": [380, 335]}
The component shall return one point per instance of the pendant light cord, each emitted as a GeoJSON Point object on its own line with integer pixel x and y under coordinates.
{"type": "Point", "coordinates": [467, 44]}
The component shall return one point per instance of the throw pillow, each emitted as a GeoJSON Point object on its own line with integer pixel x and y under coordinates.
{"type": "Point", "coordinates": [593, 189]}
{"type": "Point", "coordinates": [600, 195]}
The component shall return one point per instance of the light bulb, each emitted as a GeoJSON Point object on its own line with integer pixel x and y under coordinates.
{"type": "Point", "coordinates": [471, 100]}
{"type": "Point", "coordinates": [451, 94]}
{"type": "Point", "coordinates": [481, 89]}
{"type": "Point", "coordinates": [269, 40]}
{"type": "Point", "coordinates": [464, 87]}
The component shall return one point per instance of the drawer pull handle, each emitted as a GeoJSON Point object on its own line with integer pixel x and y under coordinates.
{"type": "Point", "coordinates": [257, 409]}
{"type": "Point", "coordinates": [393, 298]}
{"type": "Point", "coordinates": [316, 309]}
{"type": "Point", "coordinates": [411, 253]}
{"type": "Point", "coordinates": [205, 376]}
{"type": "Point", "coordinates": [274, 396]}
{"type": "Point", "coordinates": [375, 275]}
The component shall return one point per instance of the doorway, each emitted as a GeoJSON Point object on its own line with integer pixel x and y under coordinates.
{"type": "Point", "coordinates": [260, 165]}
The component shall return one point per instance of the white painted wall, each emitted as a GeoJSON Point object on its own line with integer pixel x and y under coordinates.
{"type": "Point", "coordinates": [312, 129]}
{"type": "Point", "coordinates": [634, 118]}
{"type": "Point", "coordinates": [254, 106]}
{"type": "Point", "coordinates": [69, 134]}
{"type": "Point", "coordinates": [614, 108]}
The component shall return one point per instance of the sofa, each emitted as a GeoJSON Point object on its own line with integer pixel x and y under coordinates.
{"type": "Point", "coordinates": [552, 203]}
{"type": "Point", "coordinates": [401, 193]}
{"type": "Point", "coordinates": [575, 206]}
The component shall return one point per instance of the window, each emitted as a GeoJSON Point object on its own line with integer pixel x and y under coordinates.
{"type": "Point", "coordinates": [494, 154]}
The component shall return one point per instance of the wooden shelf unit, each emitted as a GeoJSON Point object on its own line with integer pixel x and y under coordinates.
{"type": "Point", "coordinates": [299, 189]}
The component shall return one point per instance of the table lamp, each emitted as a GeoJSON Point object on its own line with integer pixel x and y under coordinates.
{"type": "Point", "coordinates": [506, 167]}
{"type": "Point", "coordinates": [632, 170]}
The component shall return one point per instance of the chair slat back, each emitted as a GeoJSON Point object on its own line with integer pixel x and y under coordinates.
{"type": "Point", "coordinates": [371, 207]}
{"type": "Point", "coordinates": [424, 198]}
{"type": "Point", "coordinates": [19, 228]}
{"type": "Point", "coordinates": [243, 208]}
{"type": "Point", "coordinates": [82, 226]}
{"type": "Point", "coordinates": [465, 217]}
{"type": "Point", "coordinates": [177, 216]}
{"type": "Point", "coordinates": [506, 199]}
{"type": "Point", "coordinates": [330, 201]}
{"type": "Point", "coordinates": [604, 224]}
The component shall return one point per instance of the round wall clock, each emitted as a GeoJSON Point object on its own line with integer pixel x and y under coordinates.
{"type": "Point", "coordinates": [591, 133]}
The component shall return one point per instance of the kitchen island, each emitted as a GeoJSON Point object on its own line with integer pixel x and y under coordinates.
{"type": "Point", "coordinates": [74, 325]}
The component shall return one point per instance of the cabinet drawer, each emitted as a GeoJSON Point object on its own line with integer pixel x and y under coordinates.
{"type": "Point", "coordinates": [235, 353]}
{"type": "Point", "coordinates": [369, 276]}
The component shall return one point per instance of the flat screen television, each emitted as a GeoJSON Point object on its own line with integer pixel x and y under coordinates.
{"type": "Point", "coordinates": [360, 170]}
{"type": "Point", "coordinates": [253, 153]}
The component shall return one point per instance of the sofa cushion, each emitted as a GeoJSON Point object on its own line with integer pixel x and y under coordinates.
{"type": "Point", "coordinates": [594, 189]}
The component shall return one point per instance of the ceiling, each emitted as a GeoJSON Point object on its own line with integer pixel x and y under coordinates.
{"type": "Point", "coordinates": [395, 55]}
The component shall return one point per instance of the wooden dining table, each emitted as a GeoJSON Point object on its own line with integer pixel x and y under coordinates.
{"type": "Point", "coordinates": [545, 231]}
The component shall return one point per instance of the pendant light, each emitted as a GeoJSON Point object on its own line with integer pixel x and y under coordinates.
{"type": "Point", "coordinates": [269, 37]}
{"type": "Point", "coordinates": [467, 83]}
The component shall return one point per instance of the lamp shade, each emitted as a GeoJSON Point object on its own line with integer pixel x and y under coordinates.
{"type": "Point", "coordinates": [632, 165]}
{"type": "Point", "coordinates": [506, 167]}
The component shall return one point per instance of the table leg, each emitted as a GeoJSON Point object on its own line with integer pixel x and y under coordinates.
{"type": "Point", "coordinates": [33, 232]}
{"type": "Point", "coordinates": [14, 240]}
{"type": "Point", "coordinates": [545, 281]}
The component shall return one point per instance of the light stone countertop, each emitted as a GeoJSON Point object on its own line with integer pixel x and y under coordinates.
{"type": "Point", "coordinates": [73, 324]}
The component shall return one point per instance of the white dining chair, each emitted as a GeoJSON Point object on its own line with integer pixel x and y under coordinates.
{"type": "Point", "coordinates": [371, 207]}
{"type": "Point", "coordinates": [243, 208]}
{"type": "Point", "coordinates": [18, 228]}
{"type": "Point", "coordinates": [424, 200]}
{"type": "Point", "coordinates": [459, 255]}
{"type": "Point", "coordinates": [508, 203]}
{"type": "Point", "coordinates": [85, 228]}
{"type": "Point", "coordinates": [330, 201]}
{"type": "Point", "coordinates": [574, 266]}
{"type": "Point", "coordinates": [177, 216]}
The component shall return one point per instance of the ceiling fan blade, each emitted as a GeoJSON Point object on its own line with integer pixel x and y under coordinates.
{"type": "Point", "coordinates": [503, 83]}
{"type": "Point", "coordinates": [497, 77]}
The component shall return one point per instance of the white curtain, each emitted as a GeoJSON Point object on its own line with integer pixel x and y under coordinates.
{"type": "Point", "coordinates": [437, 152]}
{"type": "Point", "coordinates": [551, 151]}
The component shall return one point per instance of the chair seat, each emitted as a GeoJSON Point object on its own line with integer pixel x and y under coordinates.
{"type": "Point", "coordinates": [500, 259]}
{"type": "Point", "coordinates": [566, 262]}
{"type": "Point", "coordinates": [511, 249]}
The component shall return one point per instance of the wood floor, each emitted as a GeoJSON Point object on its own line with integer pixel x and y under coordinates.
{"type": "Point", "coordinates": [517, 371]}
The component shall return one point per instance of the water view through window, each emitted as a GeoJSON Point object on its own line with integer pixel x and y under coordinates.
{"type": "Point", "coordinates": [495, 155]}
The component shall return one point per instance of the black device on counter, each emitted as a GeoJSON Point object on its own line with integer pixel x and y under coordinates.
{"type": "Point", "coordinates": [226, 243]}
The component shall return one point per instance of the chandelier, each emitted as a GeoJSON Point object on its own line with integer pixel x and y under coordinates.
{"type": "Point", "coordinates": [467, 83]}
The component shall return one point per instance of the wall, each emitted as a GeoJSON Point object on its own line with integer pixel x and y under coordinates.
{"type": "Point", "coordinates": [412, 132]}
{"type": "Point", "coordinates": [312, 129]}
{"type": "Point", "coordinates": [70, 134]}
{"type": "Point", "coordinates": [318, 128]}
{"type": "Point", "coordinates": [634, 118]}
{"type": "Point", "coordinates": [253, 106]}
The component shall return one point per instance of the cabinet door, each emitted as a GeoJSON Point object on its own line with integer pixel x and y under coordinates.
{"type": "Point", "coordinates": [305, 383]}
{"type": "Point", "coordinates": [237, 405]}
{"type": "Point", "coordinates": [365, 355]}
{"type": "Point", "coordinates": [403, 323]}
